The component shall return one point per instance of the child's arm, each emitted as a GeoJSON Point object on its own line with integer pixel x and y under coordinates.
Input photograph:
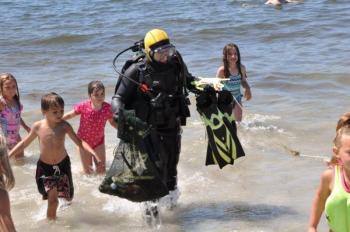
{"type": "Point", "coordinates": [245, 85]}
{"type": "Point", "coordinates": [26, 141]}
{"type": "Point", "coordinates": [80, 143]}
{"type": "Point", "coordinates": [6, 222]}
{"type": "Point", "coordinates": [220, 72]}
{"type": "Point", "coordinates": [24, 125]}
{"type": "Point", "coordinates": [322, 193]}
{"type": "Point", "coordinates": [69, 115]}
{"type": "Point", "coordinates": [2, 104]}
{"type": "Point", "coordinates": [113, 123]}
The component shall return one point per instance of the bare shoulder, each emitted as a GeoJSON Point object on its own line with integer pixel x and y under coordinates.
{"type": "Point", "coordinates": [66, 126]}
{"type": "Point", "coordinates": [66, 123]}
{"type": "Point", "coordinates": [220, 72]}
{"type": "Point", "coordinates": [37, 125]}
{"type": "Point", "coordinates": [327, 175]}
{"type": "Point", "coordinates": [221, 68]}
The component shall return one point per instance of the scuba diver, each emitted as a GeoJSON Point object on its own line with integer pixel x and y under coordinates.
{"type": "Point", "coordinates": [150, 104]}
{"type": "Point", "coordinates": [155, 87]}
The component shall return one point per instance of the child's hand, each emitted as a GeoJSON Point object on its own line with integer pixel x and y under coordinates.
{"type": "Point", "coordinates": [98, 160]}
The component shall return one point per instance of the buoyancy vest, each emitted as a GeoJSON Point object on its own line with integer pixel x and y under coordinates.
{"type": "Point", "coordinates": [337, 207]}
{"type": "Point", "coordinates": [167, 101]}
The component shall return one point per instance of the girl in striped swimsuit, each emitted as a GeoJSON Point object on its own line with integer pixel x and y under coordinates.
{"type": "Point", "coordinates": [233, 70]}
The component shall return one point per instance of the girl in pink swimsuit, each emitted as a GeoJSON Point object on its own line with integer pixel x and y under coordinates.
{"type": "Point", "coordinates": [94, 113]}
{"type": "Point", "coordinates": [10, 111]}
{"type": "Point", "coordinates": [7, 182]}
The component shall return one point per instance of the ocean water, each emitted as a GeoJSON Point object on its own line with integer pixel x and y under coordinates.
{"type": "Point", "coordinates": [298, 68]}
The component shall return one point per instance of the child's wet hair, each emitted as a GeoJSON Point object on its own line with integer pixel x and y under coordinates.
{"type": "Point", "coordinates": [343, 128]}
{"type": "Point", "coordinates": [95, 85]}
{"type": "Point", "coordinates": [5, 77]}
{"type": "Point", "coordinates": [51, 100]}
{"type": "Point", "coordinates": [344, 121]}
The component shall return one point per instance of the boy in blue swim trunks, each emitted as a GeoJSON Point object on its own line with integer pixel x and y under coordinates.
{"type": "Point", "coordinates": [53, 174]}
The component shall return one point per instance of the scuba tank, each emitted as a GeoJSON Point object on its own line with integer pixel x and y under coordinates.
{"type": "Point", "coordinates": [139, 55]}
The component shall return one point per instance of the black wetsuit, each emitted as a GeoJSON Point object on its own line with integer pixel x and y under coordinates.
{"type": "Point", "coordinates": [165, 108]}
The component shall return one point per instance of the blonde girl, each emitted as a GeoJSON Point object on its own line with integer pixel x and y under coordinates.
{"type": "Point", "coordinates": [7, 182]}
{"type": "Point", "coordinates": [10, 111]}
{"type": "Point", "coordinates": [333, 194]}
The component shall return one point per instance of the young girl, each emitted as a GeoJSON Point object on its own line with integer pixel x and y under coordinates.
{"type": "Point", "coordinates": [10, 111]}
{"type": "Point", "coordinates": [333, 194]}
{"type": "Point", "coordinates": [236, 72]}
{"type": "Point", "coordinates": [94, 112]}
{"type": "Point", "coordinates": [7, 182]}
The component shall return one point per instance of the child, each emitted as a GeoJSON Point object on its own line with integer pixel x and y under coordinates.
{"type": "Point", "coordinates": [7, 181]}
{"type": "Point", "coordinates": [10, 111]}
{"type": "Point", "coordinates": [53, 173]}
{"type": "Point", "coordinates": [236, 72]}
{"type": "Point", "coordinates": [94, 112]}
{"type": "Point", "coordinates": [333, 194]}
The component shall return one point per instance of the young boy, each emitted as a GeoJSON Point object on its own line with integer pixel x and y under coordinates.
{"type": "Point", "coordinates": [53, 173]}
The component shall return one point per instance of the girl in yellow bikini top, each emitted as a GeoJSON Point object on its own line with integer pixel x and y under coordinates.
{"type": "Point", "coordinates": [337, 207]}
{"type": "Point", "coordinates": [333, 194]}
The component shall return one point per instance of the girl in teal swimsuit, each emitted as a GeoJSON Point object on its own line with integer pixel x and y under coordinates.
{"type": "Point", "coordinates": [333, 194]}
{"type": "Point", "coordinates": [233, 70]}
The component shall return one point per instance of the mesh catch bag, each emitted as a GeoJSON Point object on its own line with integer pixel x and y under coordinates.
{"type": "Point", "coordinates": [133, 175]}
